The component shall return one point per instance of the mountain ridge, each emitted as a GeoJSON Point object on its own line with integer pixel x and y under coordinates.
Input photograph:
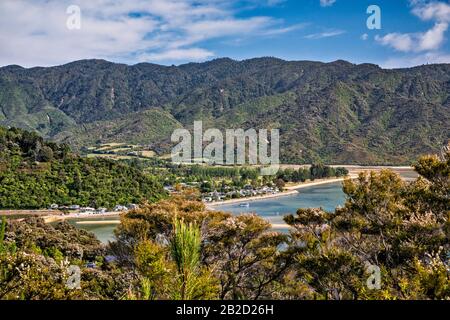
{"type": "Point", "coordinates": [334, 112]}
{"type": "Point", "coordinates": [219, 59]}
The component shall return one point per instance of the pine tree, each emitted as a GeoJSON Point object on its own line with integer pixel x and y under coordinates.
{"type": "Point", "coordinates": [185, 251]}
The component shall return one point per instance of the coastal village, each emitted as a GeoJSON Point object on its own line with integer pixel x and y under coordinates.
{"type": "Point", "coordinates": [247, 191]}
{"type": "Point", "coordinates": [229, 192]}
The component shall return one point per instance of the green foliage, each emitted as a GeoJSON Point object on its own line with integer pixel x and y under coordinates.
{"type": "Point", "coordinates": [238, 259]}
{"type": "Point", "coordinates": [173, 270]}
{"type": "Point", "coordinates": [315, 171]}
{"type": "Point", "coordinates": [185, 247]}
{"type": "Point", "coordinates": [156, 272]}
{"type": "Point", "coordinates": [185, 252]}
{"type": "Point", "coordinates": [400, 227]}
{"type": "Point", "coordinates": [144, 127]}
{"type": "Point", "coordinates": [63, 178]}
{"type": "Point", "coordinates": [54, 253]}
{"type": "Point", "coordinates": [34, 264]}
{"type": "Point", "coordinates": [336, 112]}
{"type": "Point", "coordinates": [177, 249]}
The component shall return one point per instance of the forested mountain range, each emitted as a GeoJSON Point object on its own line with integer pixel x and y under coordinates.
{"type": "Point", "coordinates": [335, 112]}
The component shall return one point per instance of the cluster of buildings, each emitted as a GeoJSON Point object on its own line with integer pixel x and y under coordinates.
{"type": "Point", "coordinates": [247, 191]}
{"type": "Point", "coordinates": [90, 210]}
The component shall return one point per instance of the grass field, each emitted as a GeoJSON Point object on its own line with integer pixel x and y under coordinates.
{"type": "Point", "coordinates": [117, 151]}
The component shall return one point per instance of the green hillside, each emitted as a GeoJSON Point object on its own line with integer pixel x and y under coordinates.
{"type": "Point", "coordinates": [35, 173]}
{"type": "Point", "coordinates": [336, 112]}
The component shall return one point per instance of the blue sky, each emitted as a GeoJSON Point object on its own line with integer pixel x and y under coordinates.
{"type": "Point", "coordinates": [35, 33]}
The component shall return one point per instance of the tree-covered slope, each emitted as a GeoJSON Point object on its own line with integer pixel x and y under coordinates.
{"type": "Point", "coordinates": [336, 112]}
{"type": "Point", "coordinates": [35, 173]}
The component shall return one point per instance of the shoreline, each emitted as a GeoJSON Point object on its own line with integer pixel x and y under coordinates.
{"type": "Point", "coordinates": [289, 190]}
{"type": "Point", "coordinates": [98, 222]}
{"type": "Point", "coordinates": [55, 218]}
{"type": "Point", "coordinates": [50, 216]}
{"type": "Point", "coordinates": [250, 199]}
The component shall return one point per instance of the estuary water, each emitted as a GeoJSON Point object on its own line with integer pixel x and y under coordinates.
{"type": "Point", "coordinates": [327, 196]}
{"type": "Point", "coordinates": [103, 231]}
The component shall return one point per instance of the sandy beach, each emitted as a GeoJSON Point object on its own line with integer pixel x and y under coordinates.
{"type": "Point", "coordinates": [248, 199]}
{"type": "Point", "coordinates": [280, 226]}
{"type": "Point", "coordinates": [54, 217]}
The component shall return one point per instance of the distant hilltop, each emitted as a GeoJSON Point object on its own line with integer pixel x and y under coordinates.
{"type": "Point", "coordinates": [335, 112]}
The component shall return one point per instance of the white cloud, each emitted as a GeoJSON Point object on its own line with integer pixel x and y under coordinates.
{"type": "Point", "coordinates": [226, 27]}
{"type": "Point", "coordinates": [411, 61]}
{"type": "Point", "coordinates": [398, 41]}
{"type": "Point", "coordinates": [421, 41]}
{"type": "Point", "coordinates": [33, 32]}
{"type": "Point", "coordinates": [364, 36]}
{"type": "Point", "coordinates": [416, 42]}
{"type": "Point", "coordinates": [327, 3]}
{"type": "Point", "coordinates": [326, 34]}
{"type": "Point", "coordinates": [193, 54]}
{"type": "Point", "coordinates": [276, 31]}
{"type": "Point", "coordinates": [434, 10]}
{"type": "Point", "coordinates": [433, 38]}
